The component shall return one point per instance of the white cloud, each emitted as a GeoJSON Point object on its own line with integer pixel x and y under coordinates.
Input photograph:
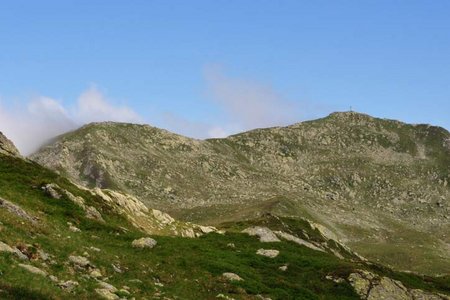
{"type": "Point", "coordinates": [249, 104]}
{"type": "Point", "coordinates": [195, 129]}
{"type": "Point", "coordinates": [43, 118]}
{"type": "Point", "coordinates": [218, 132]}
{"type": "Point", "coordinates": [93, 106]}
{"type": "Point", "coordinates": [242, 104]}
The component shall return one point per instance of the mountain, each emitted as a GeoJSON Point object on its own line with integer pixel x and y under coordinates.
{"type": "Point", "coordinates": [380, 187]}
{"type": "Point", "coordinates": [59, 240]}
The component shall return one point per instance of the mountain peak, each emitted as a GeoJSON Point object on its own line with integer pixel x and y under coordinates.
{"type": "Point", "coordinates": [349, 115]}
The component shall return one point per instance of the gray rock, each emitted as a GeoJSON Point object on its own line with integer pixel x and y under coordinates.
{"type": "Point", "coordinates": [232, 276]}
{"type": "Point", "coordinates": [222, 296]}
{"type": "Point", "coordinates": [95, 273]}
{"type": "Point", "coordinates": [268, 252]}
{"type": "Point", "coordinates": [106, 286]}
{"type": "Point", "coordinates": [116, 268]}
{"type": "Point", "coordinates": [17, 210]}
{"type": "Point", "coordinates": [299, 241]}
{"type": "Point", "coordinates": [144, 243]}
{"type": "Point", "coordinates": [52, 190]}
{"type": "Point", "coordinates": [370, 286]}
{"type": "Point", "coordinates": [105, 294]}
{"type": "Point", "coordinates": [265, 234]}
{"type": "Point", "coordinates": [207, 229]}
{"type": "Point", "coordinates": [6, 248]}
{"type": "Point", "coordinates": [79, 261]}
{"type": "Point", "coordinates": [74, 229]}
{"type": "Point", "coordinates": [94, 214]}
{"type": "Point", "coordinates": [95, 249]}
{"type": "Point", "coordinates": [283, 268]}
{"type": "Point", "coordinates": [33, 269]}
{"type": "Point", "coordinates": [69, 285]}
{"type": "Point", "coordinates": [7, 147]}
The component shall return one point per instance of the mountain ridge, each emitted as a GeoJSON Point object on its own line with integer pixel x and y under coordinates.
{"type": "Point", "coordinates": [62, 240]}
{"type": "Point", "coordinates": [370, 181]}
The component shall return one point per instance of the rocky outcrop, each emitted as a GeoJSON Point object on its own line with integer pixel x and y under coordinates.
{"type": "Point", "coordinates": [56, 192]}
{"type": "Point", "coordinates": [17, 210]}
{"type": "Point", "coordinates": [151, 221]}
{"type": "Point", "coordinates": [7, 147]}
{"type": "Point", "coordinates": [370, 286]}
{"type": "Point", "coordinates": [7, 248]}
{"type": "Point", "coordinates": [299, 241]}
{"type": "Point", "coordinates": [265, 234]}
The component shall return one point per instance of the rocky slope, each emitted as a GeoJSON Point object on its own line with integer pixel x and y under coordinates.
{"type": "Point", "coordinates": [59, 240]}
{"type": "Point", "coordinates": [378, 186]}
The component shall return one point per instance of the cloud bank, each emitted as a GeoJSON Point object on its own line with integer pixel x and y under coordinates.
{"type": "Point", "coordinates": [32, 124]}
{"type": "Point", "coordinates": [243, 105]}
{"type": "Point", "coordinates": [249, 104]}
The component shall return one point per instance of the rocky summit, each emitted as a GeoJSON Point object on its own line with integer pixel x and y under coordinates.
{"type": "Point", "coordinates": [380, 187]}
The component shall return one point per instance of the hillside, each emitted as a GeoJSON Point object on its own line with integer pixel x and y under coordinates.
{"type": "Point", "coordinates": [61, 241]}
{"type": "Point", "coordinates": [378, 186]}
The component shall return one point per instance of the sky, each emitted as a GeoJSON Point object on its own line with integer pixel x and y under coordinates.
{"type": "Point", "coordinates": [214, 68]}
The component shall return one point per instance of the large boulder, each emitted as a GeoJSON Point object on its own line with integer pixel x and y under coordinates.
{"type": "Point", "coordinates": [7, 147]}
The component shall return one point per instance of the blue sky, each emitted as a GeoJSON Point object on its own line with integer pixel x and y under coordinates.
{"type": "Point", "coordinates": [210, 68]}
